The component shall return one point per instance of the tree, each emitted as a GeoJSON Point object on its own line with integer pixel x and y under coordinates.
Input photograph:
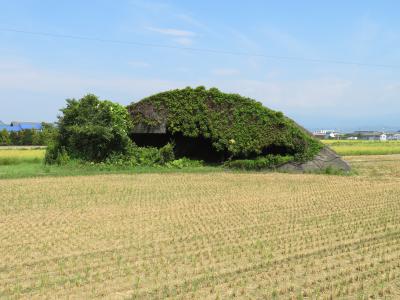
{"type": "Point", "coordinates": [4, 138]}
{"type": "Point", "coordinates": [27, 136]}
{"type": "Point", "coordinates": [92, 130]}
{"type": "Point", "coordinates": [15, 138]}
{"type": "Point", "coordinates": [46, 136]}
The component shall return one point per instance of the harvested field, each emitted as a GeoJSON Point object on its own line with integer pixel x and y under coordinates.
{"type": "Point", "coordinates": [203, 236]}
{"type": "Point", "coordinates": [387, 166]}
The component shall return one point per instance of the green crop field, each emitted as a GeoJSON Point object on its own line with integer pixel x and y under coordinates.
{"type": "Point", "coordinates": [20, 155]}
{"type": "Point", "coordinates": [209, 235]}
{"type": "Point", "coordinates": [360, 147]}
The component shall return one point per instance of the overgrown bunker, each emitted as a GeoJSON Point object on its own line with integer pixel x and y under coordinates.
{"type": "Point", "coordinates": [215, 126]}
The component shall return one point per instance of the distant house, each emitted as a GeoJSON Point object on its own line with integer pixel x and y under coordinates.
{"type": "Point", "coordinates": [394, 137]}
{"type": "Point", "coordinates": [367, 135]}
{"type": "Point", "coordinates": [327, 134]}
{"type": "Point", "coordinates": [9, 128]}
{"type": "Point", "coordinates": [383, 137]}
{"type": "Point", "coordinates": [319, 135]}
{"type": "Point", "coordinates": [18, 126]}
{"type": "Point", "coordinates": [27, 125]}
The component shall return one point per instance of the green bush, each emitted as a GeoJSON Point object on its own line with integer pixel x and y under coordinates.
{"type": "Point", "coordinates": [236, 125]}
{"type": "Point", "coordinates": [146, 156]}
{"type": "Point", "coordinates": [184, 163]}
{"type": "Point", "coordinates": [4, 138]}
{"type": "Point", "coordinates": [56, 155]}
{"type": "Point", "coordinates": [259, 163]}
{"type": "Point", "coordinates": [92, 130]}
{"type": "Point", "coordinates": [167, 154]}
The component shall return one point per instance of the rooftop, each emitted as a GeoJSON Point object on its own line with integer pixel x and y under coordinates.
{"type": "Point", "coordinates": [17, 126]}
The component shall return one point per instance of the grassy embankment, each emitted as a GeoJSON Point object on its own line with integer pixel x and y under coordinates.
{"type": "Point", "coordinates": [18, 162]}
{"type": "Point", "coordinates": [28, 162]}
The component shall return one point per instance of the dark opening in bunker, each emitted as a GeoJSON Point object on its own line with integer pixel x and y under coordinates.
{"type": "Point", "coordinates": [191, 147]}
{"type": "Point", "coordinates": [277, 150]}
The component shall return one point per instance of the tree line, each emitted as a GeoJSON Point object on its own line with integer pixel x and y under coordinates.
{"type": "Point", "coordinates": [29, 137]}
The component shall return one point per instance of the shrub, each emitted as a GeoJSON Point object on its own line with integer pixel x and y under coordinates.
{"type": "Point", "coordinates": [4, 138]}
{"type": "Point", "coordinates": [167, 154]}
{"type": "Point", "coordinates": [56, 155]}
{"type": "Point", "coordinates": [146, 156]}
{"type": "Point", "coordinates": [259, 163]}
{"type": "Point", "coordinates": [92, 130]}
{"type": "Point", "coordinates": [184, 163]}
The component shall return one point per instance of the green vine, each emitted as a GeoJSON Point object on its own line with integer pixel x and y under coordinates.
{"type": "Point", "coordinates": [237, 125]}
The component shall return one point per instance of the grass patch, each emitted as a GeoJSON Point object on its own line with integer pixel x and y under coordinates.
{"type": "Point", "coordinates": [267, 162]}
{"type": "Point", "coordinates": [359, 147]}
{"type": "Point", "coordinates": [38, 169]}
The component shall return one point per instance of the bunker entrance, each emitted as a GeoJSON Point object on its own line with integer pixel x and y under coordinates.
{"type": "Point", "coordinates": [198, 148]}
{"type": "Point", "coordinates": [277, 150]}
{"type": "Point", "coordinates": [150, 139]}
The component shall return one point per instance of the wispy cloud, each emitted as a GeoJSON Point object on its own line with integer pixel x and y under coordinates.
{"type": "Point", "coordinates": [184, 41]}
{"type": "Point", "coordinates": [287, 41]}
{"type": "Point", "coordinates": [225, 72]}
{"type": "Point", "coordinates": [172, 32]}
{"type": "Point", "coordinates": [188, 19]}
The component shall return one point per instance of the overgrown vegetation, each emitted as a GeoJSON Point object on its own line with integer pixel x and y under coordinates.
{"type": "Point", "coordinates": [237, 127]}
{"type": "Point", "coordinates": [259, 163]}
{"type": "Point", "coordinates": [241, 130]}
{"type": "Point", "coordinates": [92, 130]}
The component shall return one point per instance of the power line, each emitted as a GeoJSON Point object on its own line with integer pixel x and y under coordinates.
{"type": "Point", "coordinates": [215, 51]}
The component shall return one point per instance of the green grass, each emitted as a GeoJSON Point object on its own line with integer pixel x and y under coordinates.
{"type": "Point", "coordinates": [23, 170]}
{"type": "Point", "coordinates": [28, 162]}
{"type": "Point", "coordinates": [358, 147]}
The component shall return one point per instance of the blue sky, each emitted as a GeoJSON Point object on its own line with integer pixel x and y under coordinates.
{"type": "Point", "coordinates": [37, 73]}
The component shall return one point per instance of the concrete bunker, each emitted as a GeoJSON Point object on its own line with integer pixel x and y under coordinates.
{"type": "Point", "coordinates": [215, 126]}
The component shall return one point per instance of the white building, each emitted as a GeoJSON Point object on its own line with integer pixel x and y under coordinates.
{"type": "Point", "coordinates": [394, 137]}
{"type": "Point", "coordinates": [383, 137]}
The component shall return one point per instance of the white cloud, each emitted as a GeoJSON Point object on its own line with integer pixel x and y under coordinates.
{"type": "Point", "coordinates": [192, 21]}
{"type": "Point", "coordinates": [24, 85]}
{"type": "Point", "coordinates": [184, 41]}
{"type": "Point", "coordinates": [225, 72]}
{"type": "Point", "coordinates": [181, 37]}
{"type": "Point", "coordinates": [27, 78]}
{"type": "Point", "coordinates": [172, 32]}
